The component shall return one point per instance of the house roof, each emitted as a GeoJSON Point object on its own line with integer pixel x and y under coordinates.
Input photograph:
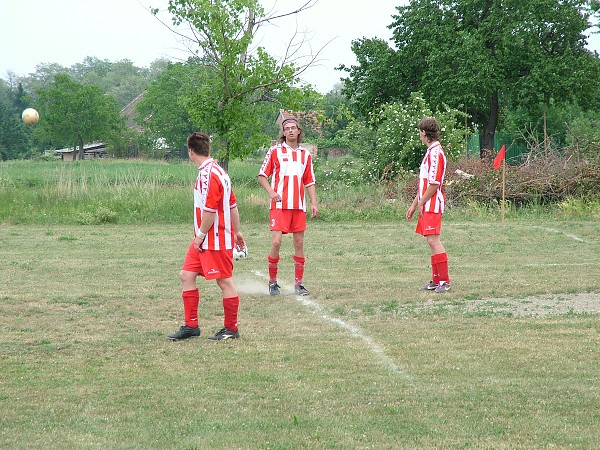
{"type": "Point", "coordinates": [86, 148]}
{"type": "Point", "coordinates": [130, 113]}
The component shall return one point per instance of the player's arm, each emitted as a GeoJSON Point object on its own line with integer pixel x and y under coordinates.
{"type": "Point", "coordinates": [208, 219]}
{"type": "Point", "coordinates": [312, 194]}
{"type": "Point", "coordinates": [262, 180]}
{"type": "Point", "coordinates": [235, 220]}
{"type": "Point", "coordinates": [412, 208]}
{"type": "Point", "coordinates": [429, 192]}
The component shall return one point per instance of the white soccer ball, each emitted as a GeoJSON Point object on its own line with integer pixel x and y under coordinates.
{"type": "Point", "coordinates": [240, 253]}
{"type": "Point", "coordinates": [30, 116]}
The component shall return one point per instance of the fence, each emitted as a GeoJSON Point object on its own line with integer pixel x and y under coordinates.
{"type": "Point", "coordinates": [515, 152]}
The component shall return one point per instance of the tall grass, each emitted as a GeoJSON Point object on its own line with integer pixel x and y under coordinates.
{"type": "Point", "coordinates": [141, 192]}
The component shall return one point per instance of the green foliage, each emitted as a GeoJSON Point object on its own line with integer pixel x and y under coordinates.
{"type": "Point", "coordinates": [162, 110]}
{"type": "Point", "coordinates": [398, 144]}
{"type": "Point", "coordinates": [480, 56]}
{"type": "Point", "coordinates": [77, 114]}
{"type": "Point", "coordinates": [583, 138]}
{"type": "Point", "coordinates": [15, 136]}
{"type": "Point", "coordinates": [97, 217]}
{"type": "Point", "coordinates": [238, 83]}
{"type": "Point", "coordinates": [121, 79]}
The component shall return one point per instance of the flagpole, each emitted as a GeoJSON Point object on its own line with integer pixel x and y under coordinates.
{"type": "Point", "coordinates": [500, 159]}
{"type": "Point", "coordinates": [503, 184]}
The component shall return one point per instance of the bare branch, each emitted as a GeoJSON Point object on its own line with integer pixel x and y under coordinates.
{"type": "Point", "coordinates": [309, 4]}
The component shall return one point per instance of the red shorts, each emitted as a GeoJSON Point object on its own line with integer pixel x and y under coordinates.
{"type": "Point", "coordinates": [288, 220]}
{"type": "Point", "coordinates": [211, 264]}
{"type": "Point", "coordinates": [429, 223]}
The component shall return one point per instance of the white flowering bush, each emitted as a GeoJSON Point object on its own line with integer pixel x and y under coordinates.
{"type": "Point", "coordinates": [397, 145]}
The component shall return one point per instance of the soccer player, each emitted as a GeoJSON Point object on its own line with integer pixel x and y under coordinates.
{"type": "Point", "coordinates": [429, 203]}
{"type": "Point", "coordinates": [290, 167]}
{"type": "Point", "coordinates": [216, 231]}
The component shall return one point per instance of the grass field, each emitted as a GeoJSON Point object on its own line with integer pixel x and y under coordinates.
{"type": "Point", "coordinates": [507, 359]}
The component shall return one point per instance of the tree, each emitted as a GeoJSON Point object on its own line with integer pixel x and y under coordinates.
{"type": "Point", "coordinates": [75, 114]}
{"type": "Point", "coordinates": [15, 137]}
{"type": "Point", "coordinates": [240, 81]}
{"type": "Point", "coordinates": [121, 79]}
{"type": "Point", "coordinates": [162, 110]}
{"type": "Point", "coordinates": [338, 113]}
{"type": "Point", "coordinates": [480, 55]}
{"type": "Point", "coordinates": [397, 145]}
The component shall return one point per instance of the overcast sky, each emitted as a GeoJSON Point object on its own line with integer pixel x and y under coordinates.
{"type": "Point", "coordinates": [66, 31]}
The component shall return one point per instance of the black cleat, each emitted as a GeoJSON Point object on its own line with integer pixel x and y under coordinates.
{"type": "Point", "coordinates": [431, 286]}
{"type": "Point", "coordinates": [224, 333]}
{"type": "Point", "coordinates": [184, 332]}
{"type": "Point", "coordinates": [442, 287]}
{"type": "Point", "coordinates": [274, 288]}
{"type": "Point", "coordinates": [300, 290]}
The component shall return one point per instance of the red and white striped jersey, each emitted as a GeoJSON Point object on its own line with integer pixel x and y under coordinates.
{"type": "Point", "coordinates": [432, 171]}
{"type": "Point", "coordinates": [213, 193]}
{"type": "Point", "coordinates": [291, 172]}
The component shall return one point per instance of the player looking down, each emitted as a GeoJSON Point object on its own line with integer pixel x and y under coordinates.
{"type": "Point", "coordinates": [216, 231]}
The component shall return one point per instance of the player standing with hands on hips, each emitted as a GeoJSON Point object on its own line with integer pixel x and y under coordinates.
{"type": "Point", "coordinates": [429, 203]}
{"type": "Point", "coordinates": [290, 167]}
{"type": "Point", "coordinates": [216, 231]}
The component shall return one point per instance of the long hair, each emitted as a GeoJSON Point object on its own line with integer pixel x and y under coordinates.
{"type": "Point", "coordinates": [300, 132]}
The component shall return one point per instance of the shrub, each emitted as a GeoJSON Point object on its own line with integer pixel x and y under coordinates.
{"type": "Point", "coordinates": [551, 179]}
{"type": "Point", "coordinates": [398, 145]}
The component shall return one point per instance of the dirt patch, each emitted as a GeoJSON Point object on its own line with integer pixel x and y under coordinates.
{"type": "Point", "coordinates": [540, 306]}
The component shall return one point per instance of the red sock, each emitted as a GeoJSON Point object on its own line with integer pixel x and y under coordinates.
{"type": "Point", "coordinates": [273, 269]}
{"type": "Point", "coordinates": [441, 260]}
{"type": "Point", "coordinates": [191, 299]}
{"type": "Point", "coordinates": [299, 269]}
{"type": "Point", "coordinates": [230, 309]}
{"type": "Point", "coordinates": [435, 275]}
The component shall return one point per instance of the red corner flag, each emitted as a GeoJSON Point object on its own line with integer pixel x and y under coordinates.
{"type": "Point", "coordinates": [499, 157]}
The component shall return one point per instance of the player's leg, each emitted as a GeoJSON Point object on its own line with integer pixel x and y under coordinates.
{"type": "Point", "coordinates": [231, 303]}
{"type": "Point", "coordinates": [435, 244]}
{"type": "Point", "coordinates": [191, 296]}
{"type": "Point", "coordinates": [430, 225]}
{"type": "Point", "coordinates": [273, 261]}
{"type": "Point", "coordinates": [299, 262]}
{"type": "Point", "coordinates": [439, 260]}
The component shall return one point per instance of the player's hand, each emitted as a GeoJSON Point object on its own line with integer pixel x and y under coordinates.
{"type": "Point", "coordinates": [198, 240]}
{"type": "Point", "coordinates": [276, 197]}
{"type": "Point", "coordinates": [411, 212]}
{"type": "Point", "coordinates": [314, 211]}
{"type": "Point", "coordinates": [239, 240]}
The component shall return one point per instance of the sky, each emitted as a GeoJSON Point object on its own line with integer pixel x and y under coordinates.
{"type": "Point", "coordinates": [35, 32]}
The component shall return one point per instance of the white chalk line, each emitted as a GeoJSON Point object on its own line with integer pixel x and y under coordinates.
{"type": "Point", "coordinates": [317, 309]}
{"type": "Point", "coordinates": [546, 229]}
{"type": "Point", "coordinates": [552, 230]}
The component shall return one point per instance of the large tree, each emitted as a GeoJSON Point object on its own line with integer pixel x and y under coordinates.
{"type": "Point", "coordinates": [75, 114]}
{"type": "Point", "coordinates": [239, 80]}
{"type": "Point", "coordinates": [481, 55]}
{"type": "Point", "coordinates": [14, 135]}
{"type": "Point", "coordinates": [162, 112]}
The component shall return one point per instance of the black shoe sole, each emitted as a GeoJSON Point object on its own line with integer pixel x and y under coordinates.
{"type": "Point", "coordinates": [213, 338]}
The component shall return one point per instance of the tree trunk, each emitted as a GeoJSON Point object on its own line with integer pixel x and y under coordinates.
{"type": "Point", "coordinates": [545, 133]}
{"type": "Point", "coordinates": [486, 139]}
{"type": "Point", "coordinates": [224, 162]}
{"type": "Point", "coordinates": [80, 142]}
